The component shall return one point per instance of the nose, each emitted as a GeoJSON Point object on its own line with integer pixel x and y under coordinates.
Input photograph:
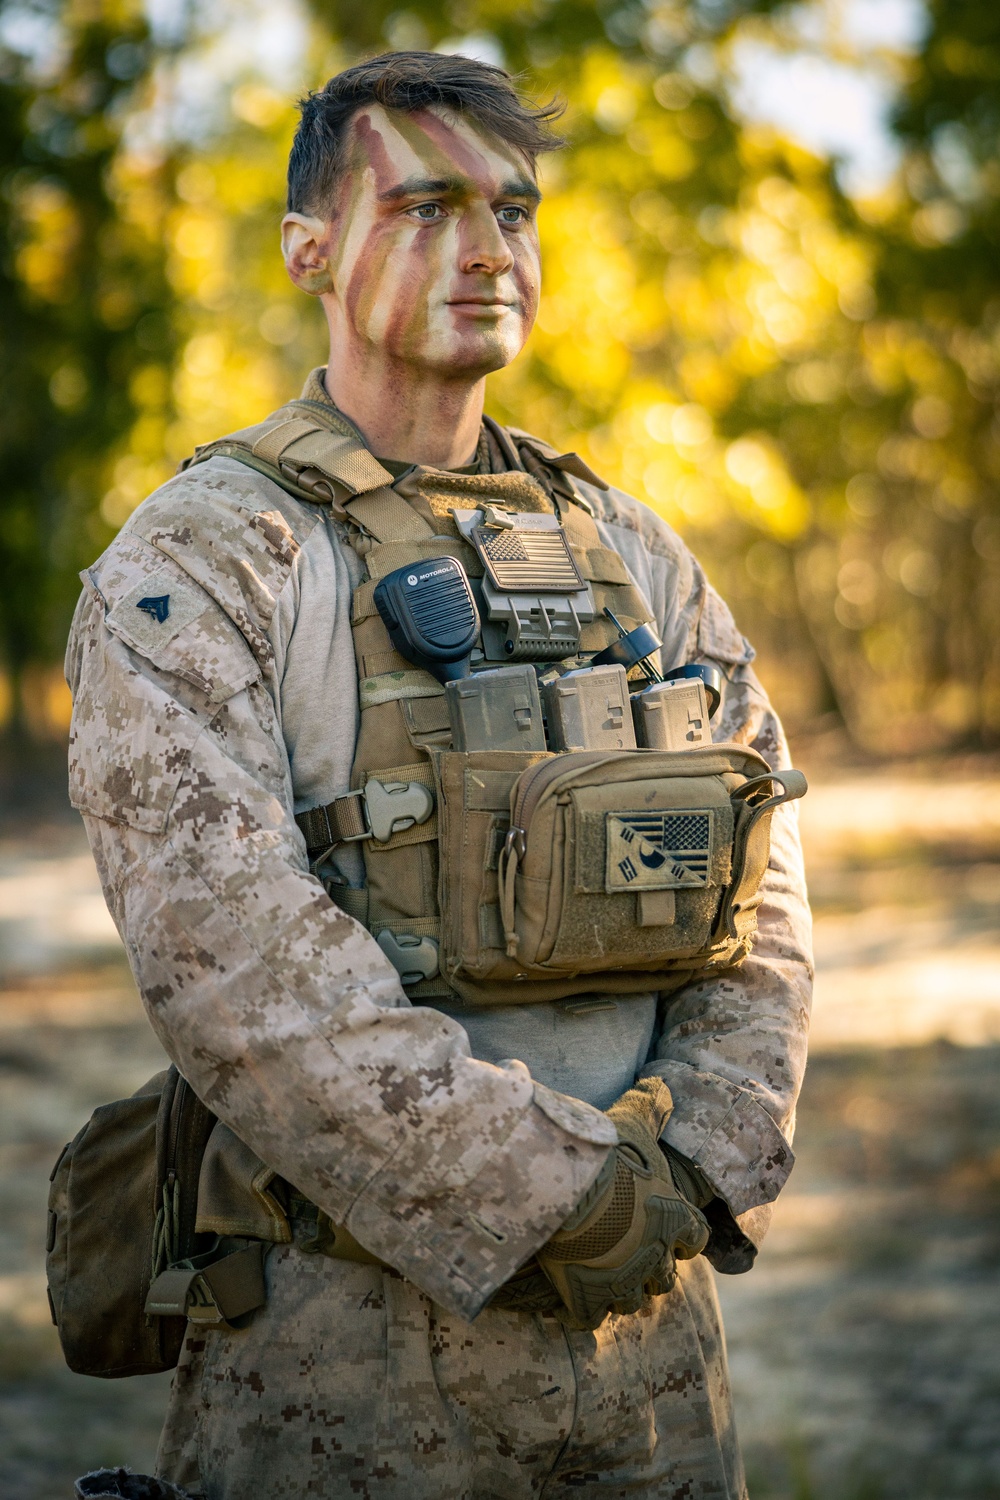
{"type": "Point", "coordinates": [481, 244]}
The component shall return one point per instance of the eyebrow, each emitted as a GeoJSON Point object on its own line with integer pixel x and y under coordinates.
{"type": "Point", "coordinates": [414, 187]}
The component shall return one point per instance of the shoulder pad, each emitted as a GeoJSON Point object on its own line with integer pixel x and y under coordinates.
{"type": "Point", "coordinates": [160, 612]}
{"type": "Point", "coordinates": [307, 449]}
{"type": "Point", "coordinates": [718, 635]}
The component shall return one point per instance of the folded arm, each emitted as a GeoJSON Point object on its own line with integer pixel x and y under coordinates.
{"type": "Point", "coordinates": [731, 1048]}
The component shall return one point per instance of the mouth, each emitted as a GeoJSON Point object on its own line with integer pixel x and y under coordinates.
{"type": "Point", "coordinates": [479, 304]}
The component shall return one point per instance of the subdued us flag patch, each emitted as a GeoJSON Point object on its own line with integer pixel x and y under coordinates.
{"type": "Point", "coordinates": [658, 851]}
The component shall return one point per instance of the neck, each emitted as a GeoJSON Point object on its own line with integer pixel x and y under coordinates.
{"type": "Point", "coordinates": [409, 414]}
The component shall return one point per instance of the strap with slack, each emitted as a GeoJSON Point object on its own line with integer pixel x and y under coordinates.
{"type": "Point", "coordinates": [310, 451]}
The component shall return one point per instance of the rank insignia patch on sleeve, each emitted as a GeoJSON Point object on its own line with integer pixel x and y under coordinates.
{"type": "Point", "coordinates": [153, 613]}
{"type": "Point", "coordinates": [658, 851]}
{"type": "Point", "coordinates": [158, 606]}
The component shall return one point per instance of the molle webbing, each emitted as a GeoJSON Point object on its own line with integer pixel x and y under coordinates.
{"type": "Point", "coordinates": [403, 714]}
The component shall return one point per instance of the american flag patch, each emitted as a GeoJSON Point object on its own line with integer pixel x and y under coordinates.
{"type": "Point", "coordinates": [528, 561]}
{"type": "Point", "coordinates": [658, 851]}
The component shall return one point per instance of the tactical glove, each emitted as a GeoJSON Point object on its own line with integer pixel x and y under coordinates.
{"type": "Point", "coordinates": [622, 1240]}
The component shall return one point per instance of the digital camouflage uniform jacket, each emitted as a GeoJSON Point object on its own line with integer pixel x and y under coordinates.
{"type": "Point", "coordinates": [280, 1009]}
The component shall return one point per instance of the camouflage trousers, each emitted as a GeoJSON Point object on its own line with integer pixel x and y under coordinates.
{"type": "Point", "coordinates": [352, 1385]}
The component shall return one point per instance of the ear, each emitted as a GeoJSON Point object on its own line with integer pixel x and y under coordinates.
{"type": "Point", "coordinates": [305, 246]}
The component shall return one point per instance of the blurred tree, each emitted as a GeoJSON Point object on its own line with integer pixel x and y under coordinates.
{"type": "Point", "coordinates": [939, 290]}
{"type": "Point", "coordinates": [246, 337]}
{"type": "Point", "coordinates": [86, 334]}
{"type": "Point", "coordinates": [805, 385]}
{"type": "Point", "coordinates": [900, 576]}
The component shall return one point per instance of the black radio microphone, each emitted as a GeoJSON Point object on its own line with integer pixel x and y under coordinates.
{"type": "Point", "coordinates": [431, 615]}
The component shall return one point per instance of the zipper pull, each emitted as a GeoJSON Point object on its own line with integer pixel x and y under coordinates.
{"type": "Point", "coordinates": [513, 844]}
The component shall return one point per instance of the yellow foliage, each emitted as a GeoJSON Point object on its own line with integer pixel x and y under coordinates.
{"type": "Point", "coordinates": [46, 702]}
{"type": "Point", "coordinates": [708, 336]}
{"type": "Point", "coordinates": [51, 232]}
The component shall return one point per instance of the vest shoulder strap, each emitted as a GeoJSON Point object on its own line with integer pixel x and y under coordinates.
{"type": "Point", "coordinates": [387, 517]}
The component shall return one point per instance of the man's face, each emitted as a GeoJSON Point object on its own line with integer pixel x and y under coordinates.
{"type": "Point", "coordinates": [433, 244]}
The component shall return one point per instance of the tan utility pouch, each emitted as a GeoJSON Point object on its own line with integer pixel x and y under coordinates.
{"type": "Point", "coordinates": [636, 862]}
{"type": "Point", "coordinates": [130, 1262]}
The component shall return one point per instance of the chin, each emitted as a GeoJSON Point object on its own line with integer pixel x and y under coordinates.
{"type": "Point", "coordinates": [476, 356]}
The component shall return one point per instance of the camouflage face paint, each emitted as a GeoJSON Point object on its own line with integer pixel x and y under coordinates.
{"type": "Point", "coordinates": [434, 247]}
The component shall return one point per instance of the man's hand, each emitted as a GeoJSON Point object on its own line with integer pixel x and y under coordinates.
{"type": "Point", "coordinates": [622, 1240]}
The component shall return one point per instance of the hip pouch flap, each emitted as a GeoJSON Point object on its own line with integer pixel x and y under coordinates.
{"type": "Point", "coordinates": [122, 1205]}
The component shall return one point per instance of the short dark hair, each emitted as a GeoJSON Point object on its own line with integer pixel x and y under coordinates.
{"type": "Point", "coordinates": [409, 81]}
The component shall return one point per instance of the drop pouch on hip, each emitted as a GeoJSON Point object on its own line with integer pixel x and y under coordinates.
{"type": "Point", "coordinates": [109, 1226]}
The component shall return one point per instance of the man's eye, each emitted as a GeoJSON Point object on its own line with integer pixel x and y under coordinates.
{"type": "Point", "coordinates": [511, 213]}
{"type": "Point", "coordinates": [427, 211]}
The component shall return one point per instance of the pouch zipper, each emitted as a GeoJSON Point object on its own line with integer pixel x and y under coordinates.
{"type": "Point", "coordinates": [533, 783]}
{"type": "Point", "coordinates": [531, 787]}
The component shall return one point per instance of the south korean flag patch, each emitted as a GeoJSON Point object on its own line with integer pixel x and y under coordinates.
{"type": "Point", "coordinates": [658, 851]}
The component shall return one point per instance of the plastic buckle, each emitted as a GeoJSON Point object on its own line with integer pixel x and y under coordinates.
{"type": "Point", "coordinates": [391, 807]}
{"type": "Point", "coordinates": [415, 957]}
{"type": "Point", "coordinates": [394, 806]}
{"type": "Point", "coordinates": [498, 516]}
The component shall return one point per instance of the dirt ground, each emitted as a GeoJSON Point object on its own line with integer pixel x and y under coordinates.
{"type": "Point", "coordinates": [864, 1345]}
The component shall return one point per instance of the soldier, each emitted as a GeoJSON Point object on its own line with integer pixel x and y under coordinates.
{"type": "Point", "coordinates": [492, 1194]}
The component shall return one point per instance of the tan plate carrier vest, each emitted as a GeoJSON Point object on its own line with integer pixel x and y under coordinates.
{"type": "Point", "coordinates": [508, 893]}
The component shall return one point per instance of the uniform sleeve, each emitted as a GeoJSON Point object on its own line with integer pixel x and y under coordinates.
{"type": "Point", "coordinates": [732, 1049]}
{"type": "Point", "coordinates": [279, 1009]}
